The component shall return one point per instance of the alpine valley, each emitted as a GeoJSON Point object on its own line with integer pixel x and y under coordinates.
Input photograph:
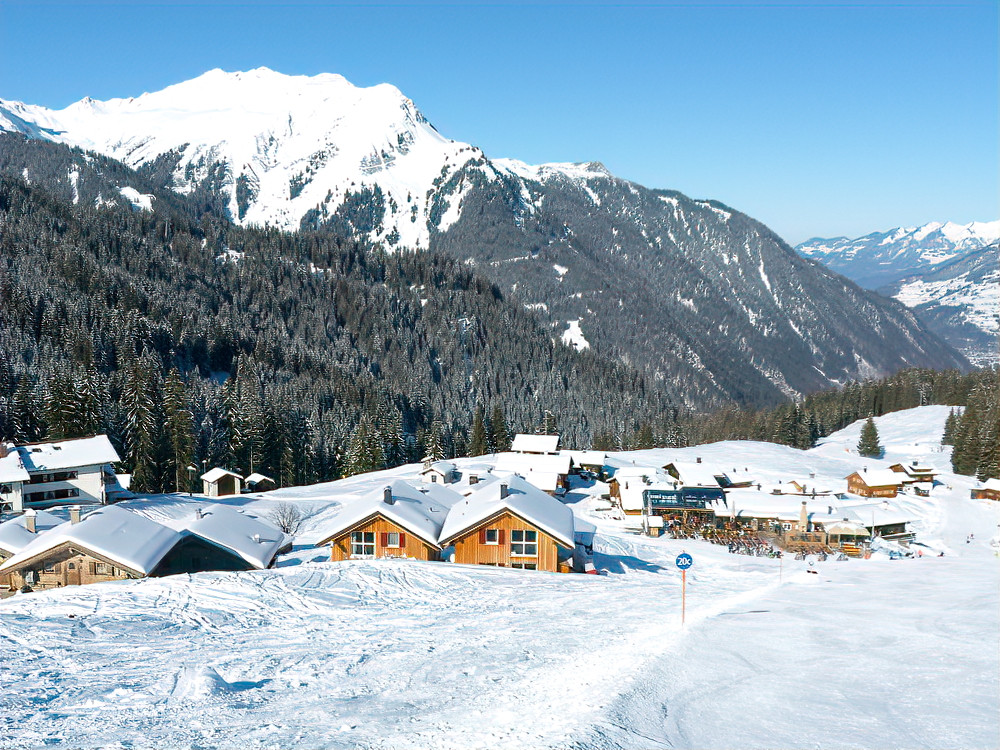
{"type": "Point", "coordinates": [948, 273]}
{"type": "Point", "coordinates": [706, 302]}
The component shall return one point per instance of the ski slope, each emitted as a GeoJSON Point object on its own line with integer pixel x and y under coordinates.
{"type": "Point", "coordinates": [402, 654]}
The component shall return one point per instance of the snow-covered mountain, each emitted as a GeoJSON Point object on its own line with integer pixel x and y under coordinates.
{"type": "Point", "coordinates": [693, 291]}
{"type": "Point", "coordinates": [960, 301]}
{"type": "Point", "coordinates": [881, 258]}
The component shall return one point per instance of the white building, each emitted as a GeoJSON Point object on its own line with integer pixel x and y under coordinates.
{"type": "Point", "coordinates": [44, 474]}
{"type": "Point", "coordinates": [220, 482]}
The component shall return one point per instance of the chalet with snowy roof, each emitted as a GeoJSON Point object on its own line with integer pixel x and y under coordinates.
{"type": "Point", "coordinates": [915, 472]}
{"type": "Point", "coordinates": [989, 491]}
{"type": "Point", "coordinates": [547, 472]}
{"type": "Point", "coordinates": [511, 523]}
{"type": "Point", "coordinates": [113, 543]}
{"type": "Point", "coordinates": [874, 483]}
{"type": "Point", "coordinates": [587, 460]}
{"type": "Point", "coordinates": [44, 474]}
{"type": "Point", "coordinates": [882, 519]}
{"type": "Point", "coordinates": [438, 472]}
{"type": "Point", "coordinates": [696, 474]}
{"type": "Point", "coordinates": [18, 532]}
{"type": "Point", "coordinates": [536, 444]}
{"type": "Point", "coordinates": [258, 482]}
{"type": "Point", "coordinates": [628, 484]}
{"type": "Point", "coordinates": [220, 482]}
{"type": "Point", "coordinates": [399, 520]}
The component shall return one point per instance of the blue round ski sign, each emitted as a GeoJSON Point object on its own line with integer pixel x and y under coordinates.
{"type": "Point", "coordinates": [684, 561]}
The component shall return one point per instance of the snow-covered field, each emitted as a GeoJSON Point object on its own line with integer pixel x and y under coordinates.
{"type": "Point", "coordinates": [867, 653]}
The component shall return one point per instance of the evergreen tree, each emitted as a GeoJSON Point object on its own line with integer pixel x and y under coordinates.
{"type": "Point", "coordinates": [499, 435]}
{"type": "Point", "coordinates": [478, 440]}
{"type": "Point", "coordinates": [868, 445]}
{"type": "Point", "coordinates": [179, 424]}
{"type": "Point", "coordinates": [950, 426]}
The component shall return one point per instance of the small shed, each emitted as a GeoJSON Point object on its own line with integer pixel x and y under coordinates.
{"type": "Point", "coordinates": [259, 483]}
{"type": "Point", "coordinates": [218, 482]}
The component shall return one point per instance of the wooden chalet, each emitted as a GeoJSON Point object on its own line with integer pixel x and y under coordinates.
{"type": "Point", "coordinates": [257, 482]}
{"type": "Point", "coordinates": [989, 491]}
{"type": "Point", "coordinates": [219, 482]}
{"type": "Point", "coordinates": [396, 521]}
{"type": "Point", "coordinates": [439, 472]}
{"type": "Point", "coordinates": [113, 543]}
{"type": "Point", "coordinates": [18, 532]}
{"type": "Point", "coordinates": [512, 524]}
{"type": "Point", "coordinates": [547, 472]}
{"type": "Point", "coordinates": [876, 483]}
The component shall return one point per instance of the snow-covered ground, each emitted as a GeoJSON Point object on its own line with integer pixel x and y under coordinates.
{"type": "Point", "coordinates": [866, 653]}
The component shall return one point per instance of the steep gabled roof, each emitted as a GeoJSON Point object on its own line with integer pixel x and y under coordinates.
{"type": "Point", "coordinates": [214, 475]}
{"type": "Point", "coordinates": [880, 478]}
{"type": "Point", "coordinates": [420, 511]}
{"type": "Point", "coordinates": [14, 535]}
{"type": "Point", "coordinates": [256, 541]}
{"type": "Point", "coordinates": [67, 454]}
{"type": "Point", "coordinates": [523, 499]}
{"type": "Point", "coordinates": [121, 536]}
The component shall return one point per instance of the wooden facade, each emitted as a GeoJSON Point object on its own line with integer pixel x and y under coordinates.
{"type": "Point", "coordinates": [410, 545]}
{"type": "Point", "coordinates": [493, 542]}
{"type": "Point", "coordinates": [68, 565]}
{"type": "Point", "coordinates": [856, 485]}
{"type": "Point", "coordinates": [986, 494]}
{"type": "Point", "coordinates": [195, 555]}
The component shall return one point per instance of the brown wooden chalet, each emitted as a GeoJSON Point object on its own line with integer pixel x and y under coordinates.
{"type": "Point", "coordinates": [396, 521]}
{"type": "Point", "coordinates": [876, 483]}
{"type": "Point", "coordinates": [989, 491]}
{"type": "Point", "coordinates": [511, 524]}
{"type": "Point", "coordinates": [913, 473]}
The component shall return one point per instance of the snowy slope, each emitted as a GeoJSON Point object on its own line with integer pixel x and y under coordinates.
{"type": "Point", "coordinates": [405, 654]}
{"type": "Point", "coordinates": [884, 257]}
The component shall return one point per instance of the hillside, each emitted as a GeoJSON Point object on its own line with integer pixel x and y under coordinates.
{"type": "Point", "coordinates": [694, 293]}
{"type": "Point", "coordinates": [404, 654]}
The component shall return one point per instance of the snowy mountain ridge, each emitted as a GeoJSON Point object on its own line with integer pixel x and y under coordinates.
{"type": "Point", "coordinates": [290, 145]}
{"type": "Point", "coordinates": [884, 257]}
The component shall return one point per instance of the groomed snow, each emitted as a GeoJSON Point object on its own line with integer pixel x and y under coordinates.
{"type": "Point", "coordinates": [401, 654]}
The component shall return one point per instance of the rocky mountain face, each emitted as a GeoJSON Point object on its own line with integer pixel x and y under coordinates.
{"type": "Point", "coordinates": [960, 301]}
{"type": "Point", "coordinates": [704, 298]}
{"type": "Point", "coordinates": [882, 258]}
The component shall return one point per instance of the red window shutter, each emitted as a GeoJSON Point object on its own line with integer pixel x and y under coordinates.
{"type": "Point", "coordinates": [482, 536]}
{"type": "Point", "coordinates": [383, 539]}
{"type": "Point", "coordinates": [500, 536]}
{"type": "Point", "coordinates": [402, 539]}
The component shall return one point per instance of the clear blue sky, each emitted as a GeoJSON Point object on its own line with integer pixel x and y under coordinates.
{"type": "Point", "coordinates": [819, 119]}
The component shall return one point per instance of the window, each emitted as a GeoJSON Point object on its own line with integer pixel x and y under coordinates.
{"type": "Point", "coordinates": [4, 489]}
{"type": "Point", "coordinates": [786, 526]}
{"type": "Point", "coordinates": [50, 568]}
{"type": "Point", "coordinates": [524, 566]}
{"type": "Point", "coordinates": [71, 566]}
{"type": "Point", "coordinates": [363, 543]}
{"type": "Point", "coordinates": [492, 536]}
{"type": "Point", "coordinates": [100, 569]}
{"type": "Point", "coordinates": [392, 539]}
{"type": "Point", "coordinates": [434, 478]}
{"type": "Point", "coordinates": [523, 543]}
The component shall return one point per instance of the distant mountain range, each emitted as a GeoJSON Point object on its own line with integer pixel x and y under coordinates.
{"type": "Point", "coordinates": [949, 274]}
{"type": "Point", "coordinates": [704, 298]}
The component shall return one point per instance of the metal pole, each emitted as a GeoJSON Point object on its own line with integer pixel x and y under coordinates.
{"type": "Point", "coordinates": [684, 581]}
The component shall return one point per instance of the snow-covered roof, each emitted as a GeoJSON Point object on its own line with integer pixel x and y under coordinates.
{"type": "Point", "coordinates": [214, 475]}
{"type": "Point", "coordinates": [543, 471]}
{"type": "Point", "coordinates": [523, 499]}
{"type": "Point", "coordinates": [692, 474]}
{"type": "Point", "coordinates": [652, 473]}
{"type": "Point", "coordinates": [126, 538]}
{"type": "Point", "coordinates": [535, 443]}
{"type": "Point", "coordinates": [464, 486]}
{"type": "Point", "coordinates": [255, 478]}
{"type": "Point", "coordinates": [419, 512]}
{"type": "Point", "coordinates": [14, 534]}
{"type": "Point", "coordinates": [880, 478]}
{"type": "Point", "coordinates": [254, 540]}
{"type": "Point", "coordinates": [440, 467]}
{"type": "Point", "coordinates": [586, 458]}
{"type": "Point", "coordinates": [61, 454]}
{"type": "Point", "coordinates": [879, 514]}
{"type": "Point", "coordinates": [992, 484]}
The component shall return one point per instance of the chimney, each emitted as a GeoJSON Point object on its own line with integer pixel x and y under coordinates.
{"type": "Point", "coordinates": [256, 538]}
{"type": "Point", "coordinates": [387, 497]}
{"type": "Point", "coordinates": [698, 460]}
{"type": "Point", "coordinates": [804, 518]}
{"type": "Point", "coordinates": [198, 514]}
{"type": "Point", "coordinates": [74, 514]}
{"type": "Point", "coordinates": [503, 491]}
{"type": "Point", "coordinates": [473, 479]}
{"type": "Point", "coordinates": [29, 520]}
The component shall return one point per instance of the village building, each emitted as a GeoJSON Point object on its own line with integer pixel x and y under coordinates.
{"type": "Point", "coordinates": [46, 474]}
{"type": "Point", "coordinates": [547, 472]}
{"type": "Point", "coordinates": [511, 523]}
{"type": "Point", "coordinates": [113, 543]}
{"type": "Point", "coordinates": [18, 532]}
{"type": "Point", "coordinates": [398, 520]}
{"type": "Point", "coordinates": [439, 472]}
{"type": "Point", "coordinates": [471, 480]}
{"type": "Point", "coordinates": [628, 483]}
{"type": "Point", "coordinates": [220, 482]}
{"type": "Point", "coordinates": [989, 491]}
{"type": "Point", "coordinates": [543, 445]}
{"type": "Point", "coordinates": [875, 483]}
{"type": "Point", "coordinates": [915, 472]}
{"type": "Point", "coordinates": [882, 519]}
{"type": "Point", "coordinates": [592, 461]}
{"type": "Point", "coordinates": [696, 474]}
{"type": "Point", "coordinates": [257, 482]}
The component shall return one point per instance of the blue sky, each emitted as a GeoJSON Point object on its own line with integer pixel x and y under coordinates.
{"type": "Point", "coordinates": [817, 118]}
